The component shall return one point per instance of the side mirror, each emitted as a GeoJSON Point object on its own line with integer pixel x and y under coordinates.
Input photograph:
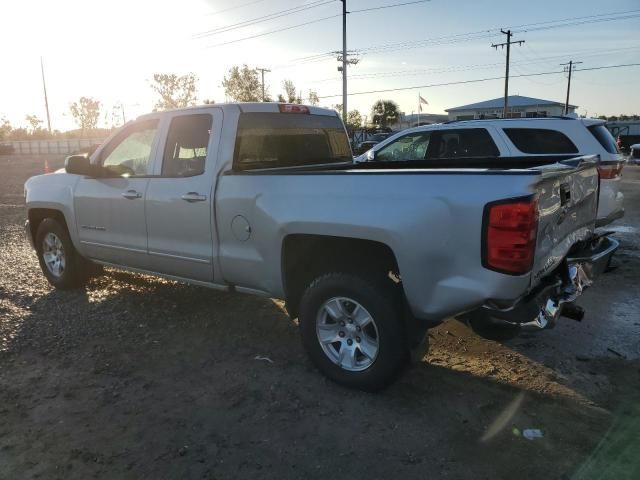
{"type": "Point", "coordinates": [371, 155]}
{"type": "Point", "coordinates": [78, 165]}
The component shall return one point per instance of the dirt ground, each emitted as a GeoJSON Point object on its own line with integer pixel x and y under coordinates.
{"type": "Point", "coordinates": [136, 377]}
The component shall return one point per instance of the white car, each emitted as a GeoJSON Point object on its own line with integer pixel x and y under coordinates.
{"type": "Point", "coordinates": [634, 153]}
{"type": "Point", "coordinates": [525, 138]}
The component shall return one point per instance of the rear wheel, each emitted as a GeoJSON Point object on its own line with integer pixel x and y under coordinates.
{"type": "Point", "coordinates": [351, 330]}
{"type": "Point", "coordinates": [61, 264]}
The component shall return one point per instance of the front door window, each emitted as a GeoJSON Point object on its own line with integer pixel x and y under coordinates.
{"type": "Point", "coordinates": [129, 154]}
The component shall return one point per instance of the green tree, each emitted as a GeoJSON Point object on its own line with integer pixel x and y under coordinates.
{"type": "Point", "coordinates": [86, 112]}
{"type": "Point", "coordinates": [290, 92]}
{"type": "Point", "coordinates": [5, 128]}
{"type": "Point", "coordinates": [384, 113]}
{"type": "Point", "coordinates": [175, 91]}
{"type": "Point", "coordinates": [313, 97]}
{"type": "Point", "coordinates": [242, 85]}
{"type": "Point", "coordinates": [354, 120]}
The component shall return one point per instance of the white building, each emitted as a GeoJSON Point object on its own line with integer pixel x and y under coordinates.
{"type": "Point", "coordinates": [519, 107]}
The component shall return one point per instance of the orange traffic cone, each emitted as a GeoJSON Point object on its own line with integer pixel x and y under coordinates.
{"type": "Point", "coordinates": [46, 166]}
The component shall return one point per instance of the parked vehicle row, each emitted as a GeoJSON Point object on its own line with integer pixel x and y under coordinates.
{"type": "Point", "coordinates": [264, 198]}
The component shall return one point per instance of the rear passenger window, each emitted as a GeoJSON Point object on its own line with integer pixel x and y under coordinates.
{"type": "Point", "coordinates": [461, 143]}
{"type": "Point", "coordinates": [186, 149]}
{"type": "Point", "coordinates": [540, 141]}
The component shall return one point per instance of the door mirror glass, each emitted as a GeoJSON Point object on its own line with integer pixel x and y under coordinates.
{"type": "Point", "coordinates": [78, 165]}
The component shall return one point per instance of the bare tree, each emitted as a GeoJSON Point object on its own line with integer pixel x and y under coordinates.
{"type": "Point", "coordinates": [290, 92]}
{"type": "Point", "coordinates": [86, 112]}
{"type": "Point", "coordinates": [313, 97]}
{"type": "Point", "coordinates": [34, 123]}
{"type": "Point", "coordinates": [242, 85]}
{"type": "Point", "coordinates": [175, 91]}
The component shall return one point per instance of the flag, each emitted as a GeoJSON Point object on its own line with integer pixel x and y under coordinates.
{"type": "Point", "coordinates": [421, 101]}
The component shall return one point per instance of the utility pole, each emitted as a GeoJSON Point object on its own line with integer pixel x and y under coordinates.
{"type": "Point", "coordinates": [262, 71]}
{"type": "Point", "coordinates": [344, 61]}
{"type": "Point", "coordinates": [46, 101]}
{"type": "Point", "coordinates": [506, 75]}
{"type": "Point", "coordinates": [568, 67]}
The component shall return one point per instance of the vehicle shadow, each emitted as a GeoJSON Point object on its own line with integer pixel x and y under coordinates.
{"type": "Point", "coordinates": [130, 373]}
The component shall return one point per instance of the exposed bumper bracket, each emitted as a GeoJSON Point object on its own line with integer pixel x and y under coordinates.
{"type": "Point", "coordinates": [555, 298]}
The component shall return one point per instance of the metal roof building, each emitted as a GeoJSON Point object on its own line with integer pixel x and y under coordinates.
{"type": "Point", "coordinates": [519, 107]}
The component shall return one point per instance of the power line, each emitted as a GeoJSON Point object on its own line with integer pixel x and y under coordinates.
{"type": "Point", "coordinates": [235, 7]}
{"type": "Point", "coordinates": [263, 18]}
{"type": "Point", "coordinates": [479, 34]}
{"type": "Point", "coordinates": [389, 6]}
{"type": "Point", "coordinates": [274, 31]}
{"type": "Point", "coordinates": [311, 22]}
{"type": "Point", "coordinates": [462, 82]}
{"type": "Point", "coordinates": [464, 68]}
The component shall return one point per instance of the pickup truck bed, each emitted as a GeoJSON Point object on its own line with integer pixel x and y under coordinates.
{"type": "Point", "coordinates": [431, 223]}
{"type": "Point", "coordinates": [263, 198]}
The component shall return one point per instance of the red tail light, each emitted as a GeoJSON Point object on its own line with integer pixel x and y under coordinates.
{"type": "Point", "coordinates": [292, 108]}
{"type": "Point", "coordinates": [509, 240]}
{"type": "Point", "coordinates": [608, 171]}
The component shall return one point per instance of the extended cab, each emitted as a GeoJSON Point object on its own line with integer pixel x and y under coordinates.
{"type": "Point", "coordinates": [264, 199]}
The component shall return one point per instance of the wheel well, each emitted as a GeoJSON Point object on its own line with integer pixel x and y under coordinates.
{"type": "Point", "coordinates": [37, 215]}
{"type": "Point", "coordinates": [305, 257]}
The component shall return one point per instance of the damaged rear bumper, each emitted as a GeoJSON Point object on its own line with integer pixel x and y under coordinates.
{"type": "Point", "coordinates": [557, 293]}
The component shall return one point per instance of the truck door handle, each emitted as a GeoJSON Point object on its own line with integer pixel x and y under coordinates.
{"type": "Point", "coordinates": [192, 197]}
{"type": "Point", "coordinates": [131, 195]}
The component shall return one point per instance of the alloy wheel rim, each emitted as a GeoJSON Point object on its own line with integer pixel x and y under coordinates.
{"type": "Point", "coordinates": [347, 334]}
{"type": "Point", "coordinates": [53, 254]}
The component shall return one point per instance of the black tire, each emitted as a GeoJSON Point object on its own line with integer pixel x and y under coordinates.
{"type": "Point", "coordinates": [76, 269]}
{"type": "Point", "coordinates": [381, 303]}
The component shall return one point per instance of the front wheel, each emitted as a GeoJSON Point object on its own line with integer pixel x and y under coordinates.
{"type": "Point", "coordinates": [352, 331]}
{"type": "Point", "coordinates": [61, 264]}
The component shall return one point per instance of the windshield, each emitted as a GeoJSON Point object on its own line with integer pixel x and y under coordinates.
{"type": "Point", "coordinates": [271, 140]}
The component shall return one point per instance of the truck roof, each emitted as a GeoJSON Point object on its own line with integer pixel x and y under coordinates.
{"type": "Point", "coordinates": [252, 107]}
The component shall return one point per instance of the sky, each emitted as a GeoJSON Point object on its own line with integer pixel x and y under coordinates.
{"type": "Point", "coordinates": [110, 50]}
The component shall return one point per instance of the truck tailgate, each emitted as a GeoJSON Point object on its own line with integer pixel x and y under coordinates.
{"type": "Point", "coordinates": [567, 204]}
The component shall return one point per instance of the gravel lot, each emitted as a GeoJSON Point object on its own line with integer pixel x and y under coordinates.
{"type": "Point", "coordinates": [136, 377]}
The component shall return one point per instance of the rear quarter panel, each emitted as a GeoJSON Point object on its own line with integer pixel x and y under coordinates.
{"type": "Point", "coordinates": [431, 221]}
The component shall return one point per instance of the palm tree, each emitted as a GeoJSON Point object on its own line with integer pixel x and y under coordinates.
{"type": "Point", "coordinates": [384, 113]}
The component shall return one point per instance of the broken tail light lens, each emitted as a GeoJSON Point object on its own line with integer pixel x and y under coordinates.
{"type": "Point", "coordinates": [509, 235]}
{"type": "Point", "coordinates": [608, 171]}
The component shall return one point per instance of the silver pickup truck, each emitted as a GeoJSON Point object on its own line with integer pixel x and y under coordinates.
{"type": "Point", "coordinates": [264, 198]}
